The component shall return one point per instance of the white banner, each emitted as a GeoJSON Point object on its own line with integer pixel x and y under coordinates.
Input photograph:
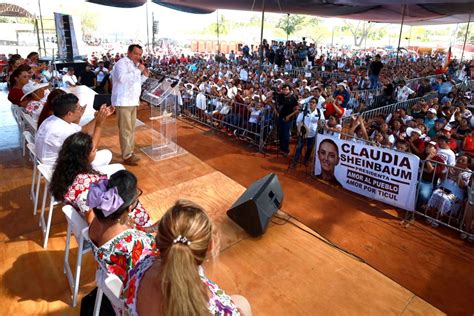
{"type": "Point", "coordinates": [382, 174]}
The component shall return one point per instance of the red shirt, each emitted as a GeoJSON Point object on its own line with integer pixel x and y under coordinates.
{"type": "Point", "coordinates": [15, 95]}
{"type": "Point", "coordinates": [331, 110]}
{"type": "Point", "coordinates": [452, 143]}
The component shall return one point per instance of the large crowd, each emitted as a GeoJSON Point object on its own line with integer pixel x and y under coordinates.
{"type": "Point", "coordinates": [298, 89]}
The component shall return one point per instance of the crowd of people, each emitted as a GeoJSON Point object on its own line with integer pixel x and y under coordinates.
{"type": "Point", "coordinates": [159, 263]}
{"type": "Point", "coordinates": [160, 260]}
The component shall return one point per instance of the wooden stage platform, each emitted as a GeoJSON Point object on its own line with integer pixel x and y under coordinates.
{"type": "Point", "coordinates": [287, 271]}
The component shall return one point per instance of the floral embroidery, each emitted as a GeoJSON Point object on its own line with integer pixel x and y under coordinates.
{"type": "Point", "coordinates": [77, 197]}
{"type": "Point", "coordinates": [219, 303]}
{"type": "Point", "coordinates": [120, 255]}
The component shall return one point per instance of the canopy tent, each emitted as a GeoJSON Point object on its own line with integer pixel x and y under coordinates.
{"type": "Point", "coordinates": [387, 11]}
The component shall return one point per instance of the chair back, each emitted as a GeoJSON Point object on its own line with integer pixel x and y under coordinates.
{"type": "Point", "coordinates": [75, 221]}
{"type": "Point", "coordinates": [30, 139]}
{"type": "Point", "coordinates": [32, 148]}
{"type": "Point", "coordinates": [46, 171]}
{"type": "Point", "coordinates": [16, 111]}
{"type": "Point", "coordinates": [28, 119]}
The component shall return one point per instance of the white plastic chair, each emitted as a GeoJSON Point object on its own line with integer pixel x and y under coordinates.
{"type": "Point", "coordinates": [16, 111]}
{"type": "Point", "coordinates": [28, 119]}
{"type": "Point", "coordinates": [111, 286]}
{"type": "Point", "coordinates": [29, 124]}
{"type": "Point", "coordinates": [36, 177]}
{"type": "Point", "coordinates": [46, 172]}
{"type": "Point", "coordinates": [28, 138]}
{"type": "Point", "coordinates": [79, 227]}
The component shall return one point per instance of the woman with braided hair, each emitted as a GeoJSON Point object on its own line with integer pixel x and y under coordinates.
{"type": "Point", "coordinates": [174, 283]}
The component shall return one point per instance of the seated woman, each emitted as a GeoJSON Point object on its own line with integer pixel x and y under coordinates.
{"type": "Point", "coordinates": [449, 195]}
{"type": "Point", "coordinates": [34, 95]}
{"type": "Point", "coordinates": [117, 247]}
{"type": "Point", "coordinates": [47, 110]}
{"type": "Point", "coordinates": [174, 283]}
{"type": "Point", "coordinates": [18, 79]}
{"type": "Point", "coordinates": [74, 175]}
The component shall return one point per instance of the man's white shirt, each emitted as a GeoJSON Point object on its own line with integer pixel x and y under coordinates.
{"type": "Point", "coordinates": [127, 80]}
{"type": "Point", "coordinates": [51, 136]}
{"type": "Point", "coordinates": [310, 122]}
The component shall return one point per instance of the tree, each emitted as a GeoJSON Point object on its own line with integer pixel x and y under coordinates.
{"type": "Point", "coordinates": [359, 30]}
{"type": "Point", "coordinates": [377, 34]}
{"type": "Point", "coordinates": [462, 33]}
{"type": "Point", "coordinates": [291, 23]}
{"type": "Point", "coordinates": [89, 22]}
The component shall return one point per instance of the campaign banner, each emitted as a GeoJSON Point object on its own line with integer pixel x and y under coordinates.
{"type": "Point", "coordinates": [379, 173]}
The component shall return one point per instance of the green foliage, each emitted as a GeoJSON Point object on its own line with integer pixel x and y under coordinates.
{"type": "Point", "coordinates": [222, 27]}
{"type": "Point", "coordinates": [291, 23]}
{"type": "Point", "coordinates": [89, 22]}
{"type": "Point", "coordinates": [359, 30]}
{"type": "Point", "coordinates": [462, 33]}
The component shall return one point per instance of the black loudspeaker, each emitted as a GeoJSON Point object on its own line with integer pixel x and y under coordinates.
{"type": "Point", "coordinates": [68, 37]}
{"type": "Point", "coordinates": [253, 209]}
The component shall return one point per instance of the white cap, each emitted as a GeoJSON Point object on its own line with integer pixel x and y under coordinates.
{"type": "Point", "coordinates": [432, 111]}
{"type": "Point", "coordinates": [411, 130]}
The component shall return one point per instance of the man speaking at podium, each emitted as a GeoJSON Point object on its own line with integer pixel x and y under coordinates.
{"type": "Point", "coordinates": [128, 75]}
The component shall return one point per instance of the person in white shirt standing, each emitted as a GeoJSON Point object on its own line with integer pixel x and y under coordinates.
{"type": "Point", "coordinates": [128, 75]}
{"type": "Point", "coordinates": [307, 125]}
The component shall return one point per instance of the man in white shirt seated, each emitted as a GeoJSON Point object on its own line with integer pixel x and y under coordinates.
{"type": "Point", "coordinates": [56, 128]}
{"type": "Point", "coordinates": [307, 125]}
{"type": "Point", "coordinates": [70, 79]}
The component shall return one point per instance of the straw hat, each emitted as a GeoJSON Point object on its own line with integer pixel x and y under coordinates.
{"type": "Point", "coordinates": [31, 87]}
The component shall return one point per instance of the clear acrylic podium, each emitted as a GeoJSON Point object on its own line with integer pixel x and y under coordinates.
{"type": "Point", "coordinates": [161, 95]}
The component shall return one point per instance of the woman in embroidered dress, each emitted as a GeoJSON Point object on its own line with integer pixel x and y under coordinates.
{"type": "Point", "coordinates": [117, 247]}
{"type": "Point", "coordinates": [174, 283]}
{"type": "Point", "coordinates": [74, 174]}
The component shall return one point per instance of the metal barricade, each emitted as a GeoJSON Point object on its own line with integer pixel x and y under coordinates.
{"type": "Point", "coordinates": [439, 199]}
{"type": "Point", "coordinates": [250, 123]}
{"type": "Point", "coordinates": [445, 196]}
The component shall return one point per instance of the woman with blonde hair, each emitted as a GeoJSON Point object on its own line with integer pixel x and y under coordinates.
{"type": "Point", "coordinates": [174, 283]}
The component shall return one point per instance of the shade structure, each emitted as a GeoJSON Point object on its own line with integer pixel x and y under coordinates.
{"type": "Point", "coordinates": [120, 3]}
{"type": "Point", "coordinates": [417, 12]}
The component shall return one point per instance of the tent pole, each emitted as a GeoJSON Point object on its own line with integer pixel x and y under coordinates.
{"type": "Point", "coordinates": [465, 38]}
{"type": "Point", "coordinates": [153, 32]}
{"type": "Point", "coordinates": [261, 32]}
{"type": "Point", "coordinates": [401, 29]}
{"type": "Point", "coordinates": [261, 41]}
{"type": "Point", "coordinates": [218, 37]}
{"type": "Point", "coordinates": [147, 29]}
{"type": "Point", "coordinates": [37, 33]}
{"type": "Point", "coordinates": [42, 28]}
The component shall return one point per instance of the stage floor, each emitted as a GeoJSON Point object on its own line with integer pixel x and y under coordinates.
{"type": "Point", "coordinates": [287, 271]}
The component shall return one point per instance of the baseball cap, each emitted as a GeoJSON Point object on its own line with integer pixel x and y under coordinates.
{"type": "Point", "coordinates": [432, 111]}
{"type": "Point", "coordinates": [411, 130]}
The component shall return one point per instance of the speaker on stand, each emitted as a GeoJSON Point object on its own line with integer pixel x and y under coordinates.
{"type": "Point", "coordinates": [67, 37]}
